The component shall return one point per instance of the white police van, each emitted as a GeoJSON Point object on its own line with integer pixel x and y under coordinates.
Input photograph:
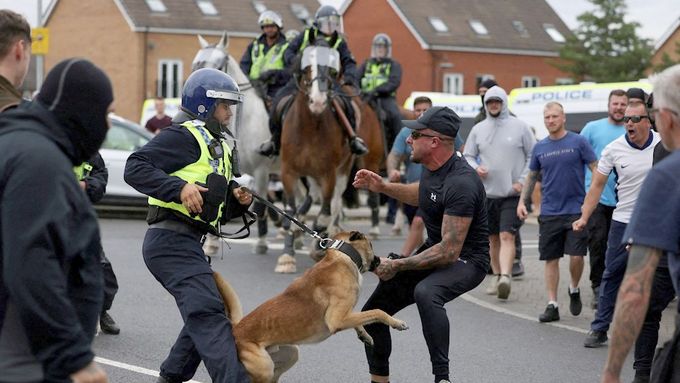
{"type": "Point", "coordinates": [582, 103]}
{"type": "Point", "coordinates": [149, 110]}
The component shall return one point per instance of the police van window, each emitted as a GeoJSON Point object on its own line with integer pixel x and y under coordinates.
{"type": "Point", "coordinates": [564, 81]}
{"type": "Point", "coordinates": [207, 7]}
{"type": "Point", "coordinates": [156, 5]}
{"type": "Point", "coordinates": [438, 24]}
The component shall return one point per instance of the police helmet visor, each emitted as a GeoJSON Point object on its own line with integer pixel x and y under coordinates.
{"type": "Point", "coordinates": [329, 24]}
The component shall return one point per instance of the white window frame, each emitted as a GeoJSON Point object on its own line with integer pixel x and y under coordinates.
{"type": "Point", "coordinates": [173, 87]}
{"type": "Point", "coordinates": [207, 7]}
{"type": "Point", "coordinates": [452, 83]}
{"type": "Point", "coordinates": [554, 34]}
{"type": "Point", "coordinates": [156, 6]}
{"type": "Point", "coordinates": [259, 6]}
{"type": "Point", "coordinates": [438, 24]}
{"type": "Point", "coordinates": [481, 77]}
{"type": "Point", "coordinates": [531, 81]}
{"type": "Point", "coordinates": [478, 27]}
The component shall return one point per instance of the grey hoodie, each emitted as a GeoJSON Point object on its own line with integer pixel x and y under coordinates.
{"type": "Point", "coordinates": [503, 145]}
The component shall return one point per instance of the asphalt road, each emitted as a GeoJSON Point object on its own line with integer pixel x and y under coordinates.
{"type": "Point", "coordinates": [486, 345]}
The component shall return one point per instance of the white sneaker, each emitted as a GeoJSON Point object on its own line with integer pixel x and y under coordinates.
{"type": "Point", "coordinates": [503, 286]}
{"type": "Point", "coordinates": [492, 287]}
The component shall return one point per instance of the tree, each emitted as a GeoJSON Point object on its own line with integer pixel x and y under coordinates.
{"type": "Point", "coordinates": [604, 47]}
{"type": "Point", "coordinates": [667, 61]}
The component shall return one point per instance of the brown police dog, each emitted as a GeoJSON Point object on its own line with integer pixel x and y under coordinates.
{"type": "Point", "coordinates": [316, 305]}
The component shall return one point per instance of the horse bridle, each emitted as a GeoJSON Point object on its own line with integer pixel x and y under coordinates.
{"type": "Point", "coordinates": [241, 85]}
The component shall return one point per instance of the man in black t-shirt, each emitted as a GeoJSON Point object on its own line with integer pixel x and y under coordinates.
{"type": "Point", "coordinates": [455, 256]}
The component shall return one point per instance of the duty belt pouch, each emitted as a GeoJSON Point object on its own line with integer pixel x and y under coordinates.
{"type": "Point", "coordinates": [214, 197]}
{"type": "Point", "coordinates": [666, 364]}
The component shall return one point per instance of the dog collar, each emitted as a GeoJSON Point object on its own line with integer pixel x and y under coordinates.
{"type": "Point", "coordinates": [349, 251]}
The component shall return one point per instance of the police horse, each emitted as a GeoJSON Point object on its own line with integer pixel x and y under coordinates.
{"type": "Point", "coordinates": [250, 132]}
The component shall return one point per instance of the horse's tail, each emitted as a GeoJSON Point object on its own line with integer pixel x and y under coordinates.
{"type": "Point", "coordinates": [231, 302]}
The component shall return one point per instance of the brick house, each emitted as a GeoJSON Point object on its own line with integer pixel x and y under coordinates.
{"type": "Point", "coordinates": [451, 46]}
{"type": "Point", "coordinates": [667, 44]}
{"type": "Point", "coordinates": [147, 46]}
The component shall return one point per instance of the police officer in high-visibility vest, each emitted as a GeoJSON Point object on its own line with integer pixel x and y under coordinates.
{"type": "Point", "coordinates": [186, 171]}
{"type": "Point", "coordinates": [380, 79]}
{"type": "Point", "coordinates": [93, 176]}
{"type": "Point", "coordinates": [328, 26]}
{"type": "Point", "coordinates": [263, 59]}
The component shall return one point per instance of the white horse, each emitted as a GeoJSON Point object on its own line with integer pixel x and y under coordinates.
{"type": "Point", "coordinates": [252, 130]}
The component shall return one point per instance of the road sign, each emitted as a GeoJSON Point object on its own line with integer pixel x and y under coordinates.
{"type": "Point", "coordinates": [40, 37]}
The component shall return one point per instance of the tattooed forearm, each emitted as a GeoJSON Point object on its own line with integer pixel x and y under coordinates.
{"type": "Point", "coordinates": [454, 231]}
{"type": "Point", "coordinates": [631, 305]}
{"type": "Point", "coordinates": [529, 185]}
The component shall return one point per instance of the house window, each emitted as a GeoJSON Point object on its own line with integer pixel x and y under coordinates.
{"type": "Point", "coordinates": [438, 24]}
{"type": "Point", "coordinates": [169, 78]}
{"type": "Point", "coordinates": [207, 7]}
{"type": "Point", "coordinates": [259, 6]}
{"type": "Point", "coordinates": [554, 33]}
{"type": "Point", "coordinates": [530, 82]}
{"type": "Point", "coordinates": [452, 83]}
{"type": "Point", "coordinates": [481, 78]}
{"type": "Point", "coordinates": [520, 28]}
{"type": "Point", "coordinates": [156, 5]}
{"type": "Point", "coordinates": [478, 27]}
{"type": "Point", "coordinates": [301, 12]}
{"type": "Point", "coordinates": [564, 81]}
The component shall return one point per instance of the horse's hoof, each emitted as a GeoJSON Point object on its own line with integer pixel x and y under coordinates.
{"type": "Point", "coordinates": [285, 265]}
{"type": "Point", "coordinates": [374, 233]}
{"type": "Point", "coordinates": [261, 249]}
{"type": "Point", "coordinates": [299, 243]}
{"type": "Point", "coordinates": [281, 233]}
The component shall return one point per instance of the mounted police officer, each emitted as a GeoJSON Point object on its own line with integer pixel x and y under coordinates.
{"type": "Point", "coordinates": [327, 26]}
{"type": "Point", "coordinates": [263, 59]}
{"type": "Point", "coordinates": [380, 79]}
{"type": "Point", "coordinates": [186, 171]}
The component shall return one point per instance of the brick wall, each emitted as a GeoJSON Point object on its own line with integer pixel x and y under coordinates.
{"type": "Point", "coordinates": [669, 48]}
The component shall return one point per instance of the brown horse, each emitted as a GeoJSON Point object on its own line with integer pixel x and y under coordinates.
{"type": "Point", "coordinates": [314, 144]}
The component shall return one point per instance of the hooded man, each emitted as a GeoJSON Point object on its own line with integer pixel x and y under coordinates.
{"type": "Point", "coordinates": [50, 275]}
{"type": "Point", "coordinates": [499, 149]}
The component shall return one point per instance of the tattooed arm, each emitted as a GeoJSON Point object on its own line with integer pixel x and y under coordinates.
{"type": "Point", "coordinates": [631, 306]}
{"type": "Point", "coordinates": [454, 231]}
{"type": "Point", "coordinates": [527, 191]}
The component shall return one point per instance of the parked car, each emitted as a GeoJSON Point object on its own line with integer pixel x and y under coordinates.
{"type": "Point", "coordinates": [123, 138]}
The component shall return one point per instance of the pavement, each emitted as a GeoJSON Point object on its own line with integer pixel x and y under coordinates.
{"type": "Point", "coordinates": [528, 297]}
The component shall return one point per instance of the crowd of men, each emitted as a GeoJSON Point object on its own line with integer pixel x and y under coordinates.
{"type": "Point", "coordinates": [601, 195]}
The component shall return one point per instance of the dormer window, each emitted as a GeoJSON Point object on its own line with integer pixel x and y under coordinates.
{"type": "Point", "coordinates": [207, 7]}
{"type": "Point", "coordinates": [520, 28]}
{"type": "Point", "coordinates": [156, 6]}
{"type": "Point", "coordinates": [554, 33]}
{"type": "Point", "coordinates": [259, 6]}
{"type": "Point", "coordinates": [438, 24]}
{"type": "Point", "coordinates": [478, 27]}
{"type": "Point", "coordinates": [301, 12]}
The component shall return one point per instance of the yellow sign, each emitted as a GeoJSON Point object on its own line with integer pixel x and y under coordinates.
{"type": "Point", "coordinates": [41, 39]}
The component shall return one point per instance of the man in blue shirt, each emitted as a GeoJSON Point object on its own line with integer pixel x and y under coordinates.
{"type": "Point", "coordinates": [599, 134]}
{"type": "Point", "coordinates": [654, 229]}
{"type": "Point", "coordinates": [560, 158]}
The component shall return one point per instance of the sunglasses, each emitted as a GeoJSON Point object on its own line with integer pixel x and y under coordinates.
{"type": "Point", "coordinates": [416, 135]}
{"type": "Point", "coordinates": [635, 119]}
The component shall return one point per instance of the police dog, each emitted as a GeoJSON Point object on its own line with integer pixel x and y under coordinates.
{"type": "Point", "coordinates": [316, 305]}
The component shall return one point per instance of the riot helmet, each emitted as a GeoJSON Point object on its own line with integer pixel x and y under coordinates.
{"type": "Point", "coordinates": [270, 18]}
{"type": "Point", "coordinates": [327, 20]}
{"type": "Point", "coordinates": [204, 90]}
{"type": "Point", "coordinates": [381, 47]}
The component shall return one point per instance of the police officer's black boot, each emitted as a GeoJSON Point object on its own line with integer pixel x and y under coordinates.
{"type": "Point", "coordinates": [163, 379]}
{"type": "Point", "coordinates": [108, 325]}
{"type": "Point", "coordinates": [357, 146]}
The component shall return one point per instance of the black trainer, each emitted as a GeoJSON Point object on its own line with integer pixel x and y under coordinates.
{"type": "Point", "coordinates": [357, 146]}
{"type": "Point", "coordinates": [551, 314]}
{"type": "Point", "coordinates": [268, 149]}
{"type": "Point", "coordinates": [108, 325]}
{"type": "Point", "coordinates": [163, 379]}
{"type": "Point", "coordinates": [575, 305]}
{"type": "Point", "coordinates": [517, 269]}
{"type": "Point", "coordinates": [595, 339]}
{"type": "Point", "coordinates": [641, 379]}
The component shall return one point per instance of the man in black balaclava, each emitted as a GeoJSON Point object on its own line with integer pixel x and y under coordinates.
{"type": "Point", "coordinates": [483, 87]}
{"type": "Point", "coordinates": [50, 277]}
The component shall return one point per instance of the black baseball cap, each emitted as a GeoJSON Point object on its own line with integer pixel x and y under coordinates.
{"type": "Point", "coordinates": [438, 118]}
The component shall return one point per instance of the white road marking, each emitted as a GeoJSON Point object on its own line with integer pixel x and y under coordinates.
{"type": "Point", "coordinates": [129, 367]}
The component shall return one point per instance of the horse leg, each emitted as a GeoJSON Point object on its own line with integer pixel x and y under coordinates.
{"type": "Point", "coordinates": [374, 204]}
{"type": "Point", "coordinates": [336, 205]}
{"type": "Point", "coordinates": [286, 262]}
{"type": "Point", "coordinates": [261, 211]}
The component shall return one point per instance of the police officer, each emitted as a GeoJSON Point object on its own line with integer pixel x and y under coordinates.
{"type": "Point", "coordinates": [263, 59]}
{"type": "Point", "coordinates": [186, 171]}
{"type": "Point", "coordinates": [380, 79]}
{"type": "Point", "coordinates": [328, 26]}
{"type": "Point", "coordinates": [93, 176]}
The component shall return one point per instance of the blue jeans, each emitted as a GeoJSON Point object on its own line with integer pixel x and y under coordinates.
{"type": "Point", "coordinates": [615, 261]}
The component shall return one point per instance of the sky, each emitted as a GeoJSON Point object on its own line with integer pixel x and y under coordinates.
{"type": "Point", "coordinates": [655, 16]}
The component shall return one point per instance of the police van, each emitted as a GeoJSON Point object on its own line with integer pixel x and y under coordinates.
{"type": "Point", "coordinates": [582, 103]}
{"type": "Point", "coordinates": [149, 110]}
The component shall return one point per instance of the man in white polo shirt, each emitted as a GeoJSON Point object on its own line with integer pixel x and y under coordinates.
{"type": "Point", "coordinates": [630, 158]}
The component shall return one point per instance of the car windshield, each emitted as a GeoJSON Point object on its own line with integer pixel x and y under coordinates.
{"type": "Point", "coordinates": [125, 135]}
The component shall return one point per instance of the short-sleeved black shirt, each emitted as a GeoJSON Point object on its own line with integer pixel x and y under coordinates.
{"type": "Point", "coordinates": [455, 189]}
